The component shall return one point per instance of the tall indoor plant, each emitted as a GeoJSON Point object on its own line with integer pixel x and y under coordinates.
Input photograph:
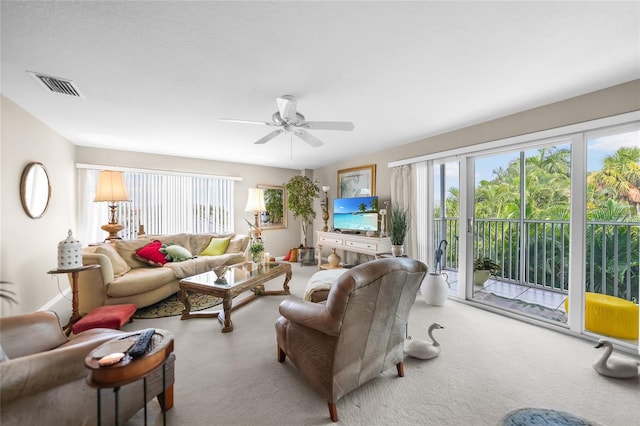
{"type": "Point", "coordinates": [302, 192]}
{"type": "Point", "coordinates": [399, 228]}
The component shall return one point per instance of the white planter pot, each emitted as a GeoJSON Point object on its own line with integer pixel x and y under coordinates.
{"type": "Point", "coordinates": [435, 289]}
{"type": "Point", "coordinates": [480, 277]}
{"type": "Point", "coordinates": [397, 251]}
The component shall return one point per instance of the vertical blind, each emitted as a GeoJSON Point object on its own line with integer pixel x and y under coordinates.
{"type": "Point", "coordinates": [163, 203]}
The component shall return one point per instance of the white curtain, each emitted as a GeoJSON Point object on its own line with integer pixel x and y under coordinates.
{"type": "Point", "coordinates": [421, 222]}
{"type": "Point", "coordinates": [402, 194]}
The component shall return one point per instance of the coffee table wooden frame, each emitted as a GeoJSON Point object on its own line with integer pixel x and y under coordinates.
{"type": "Point", "coordinates": [254, 283]}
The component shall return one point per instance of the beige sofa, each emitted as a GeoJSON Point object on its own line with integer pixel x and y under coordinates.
{"type": "Point", "coordinates": [44, 380]}
{"type": "Point", "coordinates": [123, 278]}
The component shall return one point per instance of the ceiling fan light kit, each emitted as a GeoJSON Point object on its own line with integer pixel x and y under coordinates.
{"type": "Point", "coordinates": [291, 121]}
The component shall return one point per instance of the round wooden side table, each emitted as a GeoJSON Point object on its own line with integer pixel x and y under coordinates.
{"type": "Point", "coordinates": [129, 370]}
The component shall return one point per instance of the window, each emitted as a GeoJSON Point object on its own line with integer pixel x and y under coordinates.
{"type": "Point", "coordinates": [162, 202]}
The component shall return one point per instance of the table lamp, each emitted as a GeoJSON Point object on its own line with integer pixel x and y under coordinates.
{"type": "Point", "coordinates": [111, 188]}
{"type": "Point", "coordinates": [255, 204]}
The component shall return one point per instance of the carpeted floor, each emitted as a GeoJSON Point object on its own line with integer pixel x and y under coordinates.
{"type": "Point", "coordinates": [172, 306]}
{"type": "Point", "coordinates": [489, 366]}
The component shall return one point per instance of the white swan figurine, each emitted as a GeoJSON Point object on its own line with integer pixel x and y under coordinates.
{"type": "Point", "coordinates": [425, 350]}
{"type": "Point", "coordinates": [614, 367]}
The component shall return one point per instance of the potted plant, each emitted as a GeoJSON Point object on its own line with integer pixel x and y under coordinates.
{"type": "Point", "coordinates": [398, 231]}
{"type": "Point", "coordinates": [302, 192]}
{"type": "Point", "coordinates": [255, 249]}
{"type": "Point", "coordinates": [482, 268]}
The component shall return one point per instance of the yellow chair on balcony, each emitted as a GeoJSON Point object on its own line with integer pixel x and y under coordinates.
{"type": "Point", "coordinates": [610, 316]}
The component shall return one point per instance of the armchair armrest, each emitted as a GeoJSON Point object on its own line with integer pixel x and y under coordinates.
{"type": "Point", "coordinates": [36, 373]}
{"type": "Point", "coordinates": [27, 334]}
{"type": "Point", "coordinates": [312, 315]}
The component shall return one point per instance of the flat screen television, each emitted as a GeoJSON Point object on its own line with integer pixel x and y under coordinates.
{"type": "Point", "coordinates": [355, 214]}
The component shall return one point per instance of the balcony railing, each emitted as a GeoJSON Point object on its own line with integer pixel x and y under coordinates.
{"type": "Point", "coordinates": [538, 257]}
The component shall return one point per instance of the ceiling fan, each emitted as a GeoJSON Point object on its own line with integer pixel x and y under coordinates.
{"type": "Point", "coordinates": [291, 121]}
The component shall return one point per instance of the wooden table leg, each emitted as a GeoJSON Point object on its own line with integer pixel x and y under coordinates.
{"type": "Point", "coordinates": [225, 316]}
{"type": "Point", "coordinates": [184, 298]}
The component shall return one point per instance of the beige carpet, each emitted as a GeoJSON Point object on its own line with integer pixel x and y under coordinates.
{"type": "Point", "coordinates": [489, 366]}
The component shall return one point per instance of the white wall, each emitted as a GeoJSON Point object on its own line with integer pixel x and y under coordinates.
{"type": "Point", "coordinates": [29, 247]}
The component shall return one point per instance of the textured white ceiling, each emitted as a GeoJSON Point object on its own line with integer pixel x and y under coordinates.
{"type": "Point", "coordinates": [157, 76]}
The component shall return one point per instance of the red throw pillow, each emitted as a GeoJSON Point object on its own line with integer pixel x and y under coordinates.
{"type": "Point", "coordinates": [288, 256]}
{"type": "Point", "coordinates": [151, 254]}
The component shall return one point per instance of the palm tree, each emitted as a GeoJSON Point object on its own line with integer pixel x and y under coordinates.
{"type": "Point", "coordinates": [620, 177]}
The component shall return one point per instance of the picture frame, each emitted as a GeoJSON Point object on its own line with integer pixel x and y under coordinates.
{"type": "Point", "coordinates": [275, 199]}
{"type": "Point", "coordinates": [357, 181]}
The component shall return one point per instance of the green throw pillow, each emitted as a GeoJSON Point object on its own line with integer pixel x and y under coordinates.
{"type": "Point", "coordinates": [175, 253]}
{"type": "Point", "coordinates": [216, 247]}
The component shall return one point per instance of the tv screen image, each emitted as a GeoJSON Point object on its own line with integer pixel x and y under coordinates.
{"type": "Point", "coordinates": [355, 214]}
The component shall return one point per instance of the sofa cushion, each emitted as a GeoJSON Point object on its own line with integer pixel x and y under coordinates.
{"type": "Point", "coordinates": [202, 264]}
{"type": "Point", "coordinates": [216, 247]}
{"type": "Point", "coordinates": [118, 264]}
{"type": "Point", "coordinates": [151, 254]}
{"type": "Point", "coordinates": [237, 244]}
{"type": "Point", "coordinates": [140, 280]}
{"type": "Point", "coordinates": [127, 249]}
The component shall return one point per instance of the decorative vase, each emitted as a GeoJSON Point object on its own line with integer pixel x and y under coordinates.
{"type": "Point", "coordinates": [69, 253]}
{"type": "Point", "coordinates": [435, 288]}
{"type": "Point", "coordinates": [334, 259]}
{"type": "Point", "coordinates": [397, 250]}
{"type": "Point", "coordinates": [256, 257]}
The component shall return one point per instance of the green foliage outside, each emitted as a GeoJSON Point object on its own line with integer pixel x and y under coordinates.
{"type": "Point", "coordinates": [613, 220]}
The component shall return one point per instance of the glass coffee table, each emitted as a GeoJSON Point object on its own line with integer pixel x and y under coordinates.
{"type": "Point", "coordinates": [238, 279]}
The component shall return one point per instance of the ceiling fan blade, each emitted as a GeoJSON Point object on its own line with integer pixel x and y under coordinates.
{"type": "Point", "coordinates": [269, 137]}
{"type": "Point", "coordinates": [308, 137]}
{"type": "Point", "coordinates": [328, 125]}
{"type": "Point", "coordinates": [235, 120]}
{"type": "Point", "coordinates": [287, 105]}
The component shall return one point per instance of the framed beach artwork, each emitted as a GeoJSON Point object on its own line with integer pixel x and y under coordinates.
{"type": "Point", "coordinates": [357, 181]}
{"type": "Point", "coordinates": [276, 203]}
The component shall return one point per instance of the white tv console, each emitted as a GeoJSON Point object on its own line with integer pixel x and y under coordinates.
{"type": "Point", "coordinates": [357, 243]}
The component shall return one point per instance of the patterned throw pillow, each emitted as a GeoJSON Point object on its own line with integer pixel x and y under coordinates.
{"type": "Point", "coordinates": [151, 254]}
{"type": "Point", "coordinates": [216, 247]}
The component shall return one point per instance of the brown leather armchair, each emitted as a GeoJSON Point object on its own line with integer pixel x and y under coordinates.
{"type": "Point", "coordinates": [43, 381]}
{"type": "Point", "coordinates": [357, 333]}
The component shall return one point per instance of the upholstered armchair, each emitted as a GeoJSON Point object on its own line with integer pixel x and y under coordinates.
{"type": "Point", "coordinates": [357, 333]}
{"type": "Point", "coordinates": [43, 377]}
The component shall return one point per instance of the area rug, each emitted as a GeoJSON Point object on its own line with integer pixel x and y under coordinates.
{"type": "Point", "coordinates": [521, 306]}
{"type": "Point", "coordinates": [172, 306]}
{"type": "Point", "coordinates": [544, 417]}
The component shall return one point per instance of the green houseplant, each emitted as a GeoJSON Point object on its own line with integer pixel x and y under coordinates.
{"type": "Point", "coordinates": [482, 268]}
{"type": "Point", "coordinates": [399, 228]}
{"type": "Point", "coordinates": [255, 249]}
{"type": "Point", "coordinates": [302, 192]}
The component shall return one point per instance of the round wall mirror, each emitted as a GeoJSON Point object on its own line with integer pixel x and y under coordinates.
{"type": "Point", "coordinates": [35, 190]}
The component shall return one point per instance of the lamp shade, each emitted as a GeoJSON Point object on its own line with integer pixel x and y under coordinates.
{"type": "Point", "coordinates": [325, 189]}
{"type": "Point", "coordinates": [255, 201]}
{"type": "Point", "coordinates": [111, 187]}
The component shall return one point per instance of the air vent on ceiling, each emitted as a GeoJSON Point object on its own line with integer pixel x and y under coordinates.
{"type": "Point", "coordinates": [57, 85]}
